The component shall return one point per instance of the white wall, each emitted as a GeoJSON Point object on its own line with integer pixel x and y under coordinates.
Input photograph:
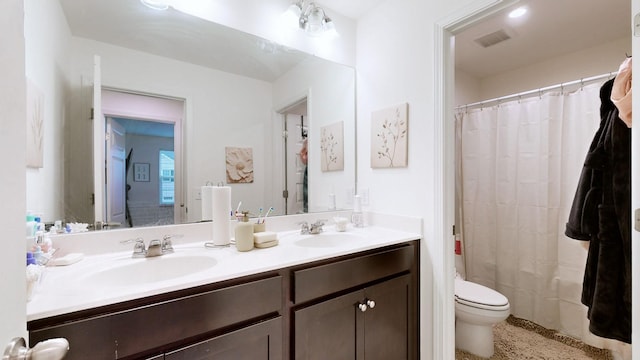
{"type": "Point", "coordinates": [47, 68]}
{"type": "Point", "coordinates": [577, 65]}
{"type": "Point", "coordinates": [328, 102]}
{"type": "Point", "coordinates": [467, 88]}
{"type": "Point", "coordinates": [395, 62]}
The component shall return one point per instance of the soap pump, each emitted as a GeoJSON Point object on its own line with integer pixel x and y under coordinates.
{"type": "Point", "coordinates": [357, 218]}
{"type": "Point", "coordinates": [244, 233]}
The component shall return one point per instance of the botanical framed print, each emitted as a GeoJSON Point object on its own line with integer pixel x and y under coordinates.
{"type": "Point", "coordinates": [35, 126]}
{"type": "Point", "coordinates": [389, 132]}
{"type": "Point", "coordinates": [332, 147]}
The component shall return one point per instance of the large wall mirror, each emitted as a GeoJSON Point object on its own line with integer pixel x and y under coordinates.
{"type": "Point", "coordinates": [245, 108]}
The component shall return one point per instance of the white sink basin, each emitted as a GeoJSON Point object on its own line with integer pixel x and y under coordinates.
{"type": "Point", "coordinates": [327, 239]}
{"type": "Point", "coordinates": [148, 270]}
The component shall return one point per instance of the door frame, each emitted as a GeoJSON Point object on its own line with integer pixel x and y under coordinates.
{"type": "Point", "coordinates": [179, 123]}
{"type": "Point", "coordinates": [280, 112]}
{"type": "Point", "coordinates": [13, 103]}
{"type": "Point", "coordinates": [443, 311]}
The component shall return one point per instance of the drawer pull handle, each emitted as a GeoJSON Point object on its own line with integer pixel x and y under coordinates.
{"type": "Point", "coordinates": [371, 304]}
{"type": "Point", "coordinates": [362, 307]}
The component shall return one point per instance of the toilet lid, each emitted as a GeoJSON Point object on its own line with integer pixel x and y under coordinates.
{"type": "Point", "coordinates": [476, 294]}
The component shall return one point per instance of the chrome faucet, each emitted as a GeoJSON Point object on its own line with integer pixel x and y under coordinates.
{"type": "Point", "coordinates": [156, 247]}
{"type": "Point", "coordinates": [316, 227]}
{"type": "Point", "coordinates": [304, 228]}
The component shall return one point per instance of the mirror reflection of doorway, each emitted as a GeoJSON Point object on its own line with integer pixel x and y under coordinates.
{"type": "Point", "coordinates": [140, 199]}
{"type": "Point", "coordinates": [296, 127]}
{"type": "Point", "coordinates": [142, 159]}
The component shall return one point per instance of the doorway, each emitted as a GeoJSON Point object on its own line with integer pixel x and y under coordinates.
{"type": "Point", "coordinates": [143, 159]}
{"type": "Point", "coordinates": [296, 127]}
{"type": "Point", "coordinates": [445, 104]}
{"type": "Point", "coordinates": [141, 172]}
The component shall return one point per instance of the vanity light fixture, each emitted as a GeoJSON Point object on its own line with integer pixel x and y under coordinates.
{"type": "Point", "coordinates": [155, 4]}
{"type": "Point", "coordinates": [311, 18]}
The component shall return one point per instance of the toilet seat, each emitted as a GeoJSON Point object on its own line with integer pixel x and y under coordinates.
{"type": "Point", "coordinates": [478, 296]}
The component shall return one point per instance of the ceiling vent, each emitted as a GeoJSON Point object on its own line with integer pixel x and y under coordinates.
{"type": "Point", "coordinates": [493, 38]}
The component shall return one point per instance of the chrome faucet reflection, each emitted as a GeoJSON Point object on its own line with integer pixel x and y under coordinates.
{"type": "Point", "coordinates": [156, 247]}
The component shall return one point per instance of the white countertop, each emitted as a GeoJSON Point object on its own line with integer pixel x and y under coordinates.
{"type": "Point", "coordinates": [65, 289]}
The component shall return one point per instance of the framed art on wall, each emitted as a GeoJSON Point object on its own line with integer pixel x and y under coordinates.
{"type": "Point", "coordinates": [140, 172]}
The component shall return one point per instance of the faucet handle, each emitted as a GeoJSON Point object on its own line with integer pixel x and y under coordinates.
{"type": "Point", "coordinates": [167, 245]}
{"type": "Point", "coordinates": [138, 248]}
{"type": "Point", "coordinates": [129, 241]}
{"type": "Point", "coordinates": [316, 227]}
{"type": "Point", "coordinates": [304, 227]}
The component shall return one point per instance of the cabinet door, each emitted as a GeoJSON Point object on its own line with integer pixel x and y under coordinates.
{"type": "Point", "coordinates": [262, 341]}
{"type": "Point", "coordinates": [389, 323]}
{"type": "Point", "coordinates": [329, 330]}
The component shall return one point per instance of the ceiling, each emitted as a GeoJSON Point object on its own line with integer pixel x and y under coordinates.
{"type": "Point", "coordinates": [350, 8]}
{"type": "Point", "coordinates": [550, 28]}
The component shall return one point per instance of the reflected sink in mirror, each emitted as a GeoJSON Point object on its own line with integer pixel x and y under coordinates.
{"type": "Point", "coordinates": [326, 239]}
{"type": "Point", "coordinates": [148, 270]}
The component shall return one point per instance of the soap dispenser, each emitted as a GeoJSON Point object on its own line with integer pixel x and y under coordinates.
{"type": "Point", "coordinates": [244, 233]}
{"type": "Point", "coordinates": [357, 218]}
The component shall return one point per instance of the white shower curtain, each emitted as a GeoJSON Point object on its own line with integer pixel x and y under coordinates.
{"type": "Point", "coordinates": [519, 164]}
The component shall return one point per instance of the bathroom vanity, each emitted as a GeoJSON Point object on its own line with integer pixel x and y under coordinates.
{"type": "Point", "coordinates": [298, 300]}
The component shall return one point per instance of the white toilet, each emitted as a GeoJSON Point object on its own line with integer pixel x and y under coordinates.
{"type": "Point", "coordinates": [478, 308]}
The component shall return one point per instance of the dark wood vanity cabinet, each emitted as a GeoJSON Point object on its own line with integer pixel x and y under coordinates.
{"type": "Point", "coordinates": [261, 341]}
{"type": "Point", "coordinates": [360, 306]}
{"type": "Point", "coordinates": [374, 323]}
{"type": "Point", "coordinates": [145, 328]}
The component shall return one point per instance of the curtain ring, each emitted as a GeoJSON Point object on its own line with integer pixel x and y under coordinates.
{"type": "Point", "coordinates": [581, 84]}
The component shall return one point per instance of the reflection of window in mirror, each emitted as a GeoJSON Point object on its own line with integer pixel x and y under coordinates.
{"type": "Point", "coordinates": [167, 177]}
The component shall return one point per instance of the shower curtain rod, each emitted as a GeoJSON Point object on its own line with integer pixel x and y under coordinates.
{"type": "Point", "coordinates": [539, 91]}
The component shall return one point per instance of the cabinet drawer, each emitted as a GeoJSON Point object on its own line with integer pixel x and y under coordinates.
{"type": "Point", "coordinates": [141, 329]}
{"type": "Point", "coordinates": [326, 279]}
{"type": "Point", "coordinates": [262, 341]}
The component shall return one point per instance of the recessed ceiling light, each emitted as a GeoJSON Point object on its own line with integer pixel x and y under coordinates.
{"type": "Point", "coordinates": [155, 4]}
{"type": "Point", "coordinates": [518, 12]}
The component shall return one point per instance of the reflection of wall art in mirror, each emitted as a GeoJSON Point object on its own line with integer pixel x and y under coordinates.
{"type": "Point", "coordinates": [332, 147]}
{"type": "Point", "coordinates": [239, 165]}
{"type": "Point", "coordinates": [35, 125]}
{"type": "Point", "coordinates": [389, 137]}
{"type": "Point", "coordinates": [140, 172]}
